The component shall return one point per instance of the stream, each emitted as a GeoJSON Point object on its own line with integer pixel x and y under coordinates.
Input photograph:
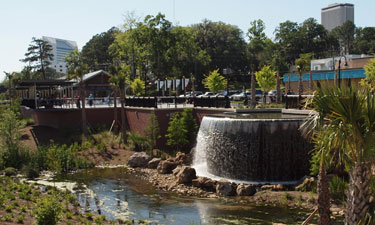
{"type": "Point", "coordinates": [117, 194]}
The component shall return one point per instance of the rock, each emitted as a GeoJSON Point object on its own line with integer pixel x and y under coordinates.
{"type": "Point", "coordinates": [186, 175]}
{"type": "Point", "coordinates": [182, 159]}
{"type": "Point", "coordinates": [245, 190]}
{"type": "Point", "coordinates": [308, 184]}
{"type": "Point", "coordinates": [204, 183]}
{"type": "Point", "coordinates": [166, 167]}
{"type": "Point", "coordinates": [225, 187]}
{"type": "Point", "coordinates": [273, 187]}
{"type": "Point", "coordinates": [139, 159]}
{"type": "Point", "coordinates": [153, 163]}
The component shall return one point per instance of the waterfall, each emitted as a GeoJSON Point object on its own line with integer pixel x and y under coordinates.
{"type": "Point", "coordinates": [251, 150]}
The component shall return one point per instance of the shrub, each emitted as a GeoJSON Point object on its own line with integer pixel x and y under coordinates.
{"type": "Point", "coordinates": [48, 211]}
{"type": "Point", "coordinates": [152, 131]}
{"type": "Point", "coordinates": [30, 172]}
{"type": "Point", "coordinates": [136, 141]}
{"type": "Point", "coordinates": [177, 133]}
{"type": "Point", "coordinates": [10, 171]}
{"type": "Point", "coordinates": [338, 186]}
{"type": "Point", "coordinates": [190, 125]}
{"type": "Point", "coordinates": [20, 219]}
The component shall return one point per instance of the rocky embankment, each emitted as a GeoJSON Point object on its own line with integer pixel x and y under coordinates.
{"type": "Point", "coordinates": [175, 175]}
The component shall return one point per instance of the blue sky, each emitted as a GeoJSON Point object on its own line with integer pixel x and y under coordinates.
{"type": "Point", "coordinates": [79, 20]}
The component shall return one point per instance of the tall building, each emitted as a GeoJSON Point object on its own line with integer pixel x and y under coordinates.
{"type": "Point", "coordinates": [60, 49]}
{"type": "Point", "coordinates": [336, 15]}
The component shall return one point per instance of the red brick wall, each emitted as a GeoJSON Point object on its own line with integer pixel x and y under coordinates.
{"type": "Point", "coordinates": [137, 118]}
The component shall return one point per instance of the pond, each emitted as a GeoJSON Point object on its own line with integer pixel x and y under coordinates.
{"type": "Point", "coordinates": [117, 194]}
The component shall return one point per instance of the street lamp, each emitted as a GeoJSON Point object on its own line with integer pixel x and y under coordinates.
{"type": "Point", "coordinates": [346, 64]}
{"type": "Point", "coordinates": [226, 73]}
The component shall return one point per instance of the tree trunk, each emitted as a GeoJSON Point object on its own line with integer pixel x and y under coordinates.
{"type": "Point", "coordinates": [115, 110]}
{"type": "Point", "coordinates": [323, 197]}
{"type": "Point", "coordinates": [300, 90]}
{"type": "Point", "coordinates": [123, 119]}
{"type": "Point", "coordinates": [253, 91]}
{"type": "Point", "coordinates": [278, 93]}
{"type": "Point", "coordinates": [358, 194]}
{"type": "Point", "coordinates": [83, 110]}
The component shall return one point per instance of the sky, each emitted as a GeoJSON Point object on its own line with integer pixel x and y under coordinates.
{"type": "Point", "coordinates": [79, 20]}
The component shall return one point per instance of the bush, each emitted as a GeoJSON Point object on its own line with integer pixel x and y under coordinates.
{"type": "Point", "coordinates": [152, 131]}
{"type": "Point", "coordinates": [48, 211]}
{"type": "Point", "coordinates": [30, 172]}
{"type": "Point", "coordinates": [136, 141]}
{"type": "Point", "coordinates": [338, 186]}
{"type": "Point", "coordinates": [10, 171]}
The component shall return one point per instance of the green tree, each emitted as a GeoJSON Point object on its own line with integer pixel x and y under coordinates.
{"type": "Point", "coordinates": [95, 53]}
{"type": "Point", "coordinates": [214, 81]}
{"type": "Point", "coordinates": [369, 80]}
{"type": "Point", "coordinates": [225, 46]}
{"type": "Point", "coordinates": [190, 125]}
{"type": "Point", "coordinates": [152, 131]}
{"type": "Point", "coordinates": [266, 79]}
{"type": "Point", "coordinates": [76, 70]}
{"type": "Point", "coordinates": [364, 42]}
{"type": "Point", "coordinates": [349, 129]}
{"type": "Point", "coordinates": [10, 135]}
{"type": "Point", "coordinates": [39, 56]}
{"type": "Point", "coordinates": [345, 35]}
{"type": "Point", "coordinates": [302, 66]}
{"type": "Point", "coordinates": [119, 80]}
{"type": "Point", "coordinates": [138, 86]}
{"type": "Point", "coordinates": [177, 134]}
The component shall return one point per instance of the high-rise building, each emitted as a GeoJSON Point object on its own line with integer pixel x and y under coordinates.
{"type": "Point", "coordinates": [336, 15]}
{"type": "Point", "coordinates": [60, 49]}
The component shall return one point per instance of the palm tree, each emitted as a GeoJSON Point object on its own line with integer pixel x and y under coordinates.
{"type": "Point", "coordinates": [119, 81]}
{"type": "Point", "coordinates": [76, 70]}
{"type": "Point", "coordinates": [349, 132]}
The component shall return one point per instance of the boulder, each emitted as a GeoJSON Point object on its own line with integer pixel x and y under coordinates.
{"type": "Point", "coordinates": [139, 159]}
{"type": "Point", "coordinates": [166, 167]}
{"type": "Point", "coordinates": [153, 163]}
{"type": "Point", "coordinates": [225, 187]}
{"type": "Point", "coordinates": [182, 159]}
{"type": "Point", "coordinates": [308, 184]}
{"type": "Point", "coordinates": [186, 175]}
{"type": "Point", "coordinates": [204, 183]}
{"type": "Point", "coordinates": [245, 190]}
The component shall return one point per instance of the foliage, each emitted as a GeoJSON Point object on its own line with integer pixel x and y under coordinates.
{"type": "Point", "coordinates": [190, 125]}
{"type": "Point", "coordinates": [345, 35]}
{"type": "Point", "coordinates": [152, 131]}
{"type": "Point", "coordinates": [48, 211]}
{"type": "Point", "coordinates": [11, 152]}
{"type": "Point", "coordinates": [369, 80]}
{"type": "Point", "coordinates": [177, 133]}
{"type": "Point", "coordinates": [266, 79]}
{"type": "Point", "coordinates": [338, 186]}
{"type": "Point", "coordinates": [39, 55]}
{"type": "Point", "coordinates": [136, 141]}
{"type": "Point", "coordinates": [64, 158]}
{"type": "Point", "coordinates": [138, 86]}
{"type": "Point", "coordinates": [95, 53]}
{"type": "Point", "coordinates": [364, 42]}
{"type": "Point", "coordinates": [214, 81]}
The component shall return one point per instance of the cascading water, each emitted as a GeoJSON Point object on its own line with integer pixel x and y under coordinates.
{"type": "Point", "coordinates": [253, 150]}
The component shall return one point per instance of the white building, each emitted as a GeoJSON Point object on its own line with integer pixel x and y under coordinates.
{"type": "Point", "coordinates": [60, 49]}
{"type": "Point", "coordinates": [336, 15]}
{"type": "Point", "coordinates": [331, 63]}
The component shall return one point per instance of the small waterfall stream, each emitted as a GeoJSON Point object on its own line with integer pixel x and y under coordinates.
{"type": "Point", "coordinates": [251, 150]}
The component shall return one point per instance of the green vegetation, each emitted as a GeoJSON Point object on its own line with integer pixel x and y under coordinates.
{"type": "Point", "coordinates": [214, 81]}
{"type": "Point", "coordinates": [182, 130]}
{"type": "Point", "coordinates": [138, 87]}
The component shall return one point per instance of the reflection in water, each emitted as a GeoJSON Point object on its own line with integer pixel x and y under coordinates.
{"type": "Point", "coordinates": [119, 195]}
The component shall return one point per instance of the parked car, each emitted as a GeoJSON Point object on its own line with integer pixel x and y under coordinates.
{"type": "Point", "coordinates": [206, 94]}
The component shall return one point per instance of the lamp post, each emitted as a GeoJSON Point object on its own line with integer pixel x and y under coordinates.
{"type": "Point", "coordinates": [346, 64]}
{"type": "Point", "coordinates": [226, 73]}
